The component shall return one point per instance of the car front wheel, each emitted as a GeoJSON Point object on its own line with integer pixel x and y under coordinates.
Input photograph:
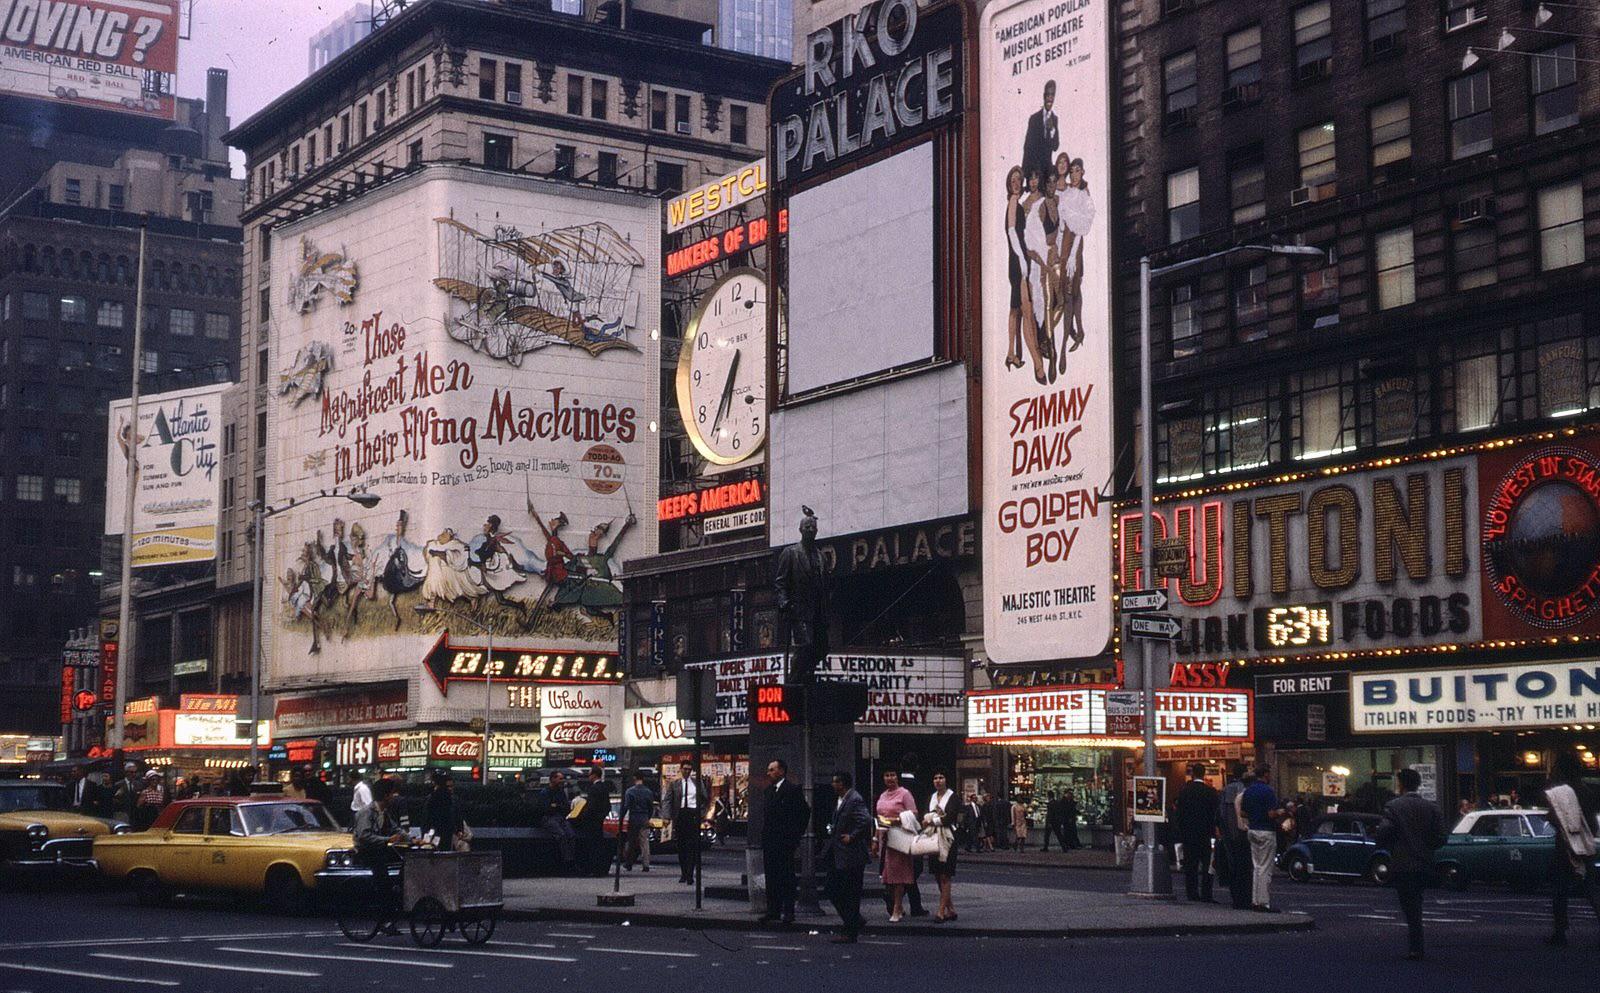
{"type": "Point", "coordinates": [286, 894]}
{"type": "Point", "coordinates": [148, 889]}
{"type": "Point", "coordinates": [1453, 877]}
{"type": "Point", "coordinates": [1299, 869]}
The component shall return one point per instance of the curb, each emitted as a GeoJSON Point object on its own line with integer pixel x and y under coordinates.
{"type": "Point", "coordinates": [1286, 923]}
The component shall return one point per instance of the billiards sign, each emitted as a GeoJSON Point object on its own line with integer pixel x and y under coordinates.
{"type": "Point", "coordinates": [1541, 537]}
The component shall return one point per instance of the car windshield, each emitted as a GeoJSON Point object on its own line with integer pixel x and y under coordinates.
{"type": "Point", "coordinates": [283, 818]}
{"type": "Point", "coordinates": [32, 798]}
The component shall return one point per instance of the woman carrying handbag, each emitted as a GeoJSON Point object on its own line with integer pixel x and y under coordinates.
{"type": "Point", "coordinates": [943, 817]}
{"type": "Point", "coordinates": [898, 871]}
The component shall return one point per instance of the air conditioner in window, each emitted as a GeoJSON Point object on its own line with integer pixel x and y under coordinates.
{"type": "Point", "coordinates": [684, 127]}
{"type": "Point", "coordinates": [1473, 210]}
{"type": "Point", "coordinates": [1179, 118]}
{"type": "Point", "coordinates": [513, 96]}
{"type": "Point", "coordinates": [1311, 71]}
{"type": "Point", "coordinates": [1389, 44]}
{"type": "Point", "coordinates": [1238, 96]}
{"type": "Point", "coordinates": [1299, 195]}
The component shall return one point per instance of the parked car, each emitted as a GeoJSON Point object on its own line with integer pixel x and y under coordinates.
{"type": "Point", "coordinates": [39, 830]}
{"type": "Point", "coordinates": [1511, 846]}
{"type": "Point", "coordinates": [1340, 846]}
{"type": "Point", "coordinates": [272, 846]}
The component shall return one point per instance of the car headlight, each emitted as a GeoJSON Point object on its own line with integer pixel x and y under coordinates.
{"type": "Point", "coordinates": [37, 833]}
{"type": "Point", "coordinates": [340, 858]}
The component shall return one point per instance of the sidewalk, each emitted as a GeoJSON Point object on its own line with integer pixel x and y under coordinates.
{"type": "Point", "coordinates": [986, 910]}
{"type": "Point", "coordinates": [1080, 858]}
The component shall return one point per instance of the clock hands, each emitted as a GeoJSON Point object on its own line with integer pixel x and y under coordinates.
{"type": "Point", "coordinates": [727, 390]}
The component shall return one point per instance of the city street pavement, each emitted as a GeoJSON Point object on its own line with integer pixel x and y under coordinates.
{"type": "Point", "coordinates": [1485, 939]}
{"type": "Point", "coordinates": [992, 903]}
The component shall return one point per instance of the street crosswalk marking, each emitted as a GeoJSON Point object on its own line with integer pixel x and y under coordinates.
{"type": "Point", "coordinates": [217, 966]}
{"type": "Point", "coordinates": [524, 956]}
{"type": "Point", "coordinates": [423, 963]}
{"type": "Point", "coordinates": [645, 951]}
{"type": "Point", "coordinates": [80, 974]}
{"type": "Point", "coordinates": [779, 948]}
{"type": "Point", "coordinates": [158, 940]}
{"type": "Point", "coordinates": [580, 937]}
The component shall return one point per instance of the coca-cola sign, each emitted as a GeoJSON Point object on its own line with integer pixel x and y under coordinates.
{"type": "Point", "coordinates": [388, 749]}
{"type": "Point", "coordinates": [586, 716]}
{"type": "Point", "coordinates": [575, 733]}
{"type": "Point", "coordinates": [456, 747]}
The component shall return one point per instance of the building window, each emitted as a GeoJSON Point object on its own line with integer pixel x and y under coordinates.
{"type": "Point", "coordinates": [73, 192]}
{"type": "Point", "coordinates": [487, 81]}
{"type": "Point", "coordinates": [69, 490]}
{"type": "Point", "coordinates": [1319, 294]}
{"type": "Point", "coordinates": [496, 150]}
{"type": "Point", "coordinates": [658, 110]}
{"type": "Point", "coordinates": [1242, 430]}
{"type": "Point", "coordinates": [1397, 284]}
{"type": "Point", "coordinates": [1471, 123]}
{"type": "Point", "coordinates": [30, 488]}
{"type": "Point", "coordinates": [261, 429]}
{"type": "Point", "coordinates": [411, 92]}
{"type": "Point", "coordinates": [311, 150]}
{"type": "Point", "coordinates": [30, 441]}
{"type": "Point", "coordinates": [566, 162]}
{"type": "Point", "coordinates": [1244, 67]}
{"type": "Point", "coordinates": [1181, 86]}
{"type": "Point", "coordinates": [1247, 186]}
{"type": "Point", "coordinates": [414, 152]}
{"type": "Point", "coordinates": [669, 177]}
{"type": "Point", "coordinates": [35, 306]}
{"type": "Point", "coordinates": [1386, 27]}
{"type": "Point", "coordinates": [71, 356]}
{"type": "Point", "coordinates": [1318, 166]}
{"type": "Point", "coordinates": [108, 357]}
{"type": "Point", "coordinates": [344, 132]}
{"type": "Point", "coordinates": [116, 197]}
{"type": "Point", "coordinates": [1250, 302]}
{"type": "Point", "coordinates": [294, 153]}
{"type": "Point", "coordinates": [1560, 226]}
{"type": "Point", "coordinates": [1475, 392]}
{"type": "Point", "coordinates": [180, 322]}
{"type": "Point", "coordinates": [606, 171]}
{"type": "Point", "coordinates": [327, 141]}
{"type": "Point", "coordinates": [1323, 413]}
{"type": "Point", "coordinates": [574, 94]}
{"type": "Point", "coordinates": [1180, 449]}
{"type": "Point", "coordinates": [738, 124]}
{"type": "Point", "coordinates": [1183, 321]}
{"type": "Point", "coordinates": [361, 121]}
{"type": "Point", "coordinates": [150, 361]}
{"type": "Point", "coordinates": [1313, 41]}
{"type": "Point", "coordinates": [1390, 125]}
{"type": "Point", "coordinates": [1396, 406]}
{"type": "Point", "coordinates": [1474, 255]}
{"type": "Point", "coordinates": [218, 327]}
{"type": "Point", "coordinates": [74, 310]}
{"type": "Point", "coordinates": [264, 303]}
{"type": "Point", "coordinates": [513, 82]}
{"type": "Point", "coordinates": [680, 113]}
{"type": "Point", "coordinates": [1460, 13]}
{"type": "Point", "coordinates": [69, 444]}
{"type": "Point", "coordinates": [381, 116]}
{"type": "Point", "coordinates": [599, 99]}
{"type": "Point", "coordinates": [1555, 89]}
{"type": "Point", "coordinates": [1562, 353]}
{"type": "Point", "coordinates": [1183, 204]}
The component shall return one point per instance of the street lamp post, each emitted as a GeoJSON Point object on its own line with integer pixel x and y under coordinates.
{"type": "Point", "coordinates": [488, 669]}
{"type": "Point", "coordinates": [1151, 875]}
{"type": "Point", "coordinates": [261, 511]}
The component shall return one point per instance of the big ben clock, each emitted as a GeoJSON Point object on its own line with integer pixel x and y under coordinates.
{"type": "Point", "coordinates": [722, 369]}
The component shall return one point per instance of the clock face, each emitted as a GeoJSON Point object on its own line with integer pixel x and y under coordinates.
{"type": "Point", "coordinates": [722, 370]}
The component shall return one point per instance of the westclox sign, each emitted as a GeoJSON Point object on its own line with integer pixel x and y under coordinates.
{"type": "Point", "coordinates": [1475, 699]}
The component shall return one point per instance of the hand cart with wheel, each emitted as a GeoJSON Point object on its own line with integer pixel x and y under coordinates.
{"type": "Point", "coordinates": [451, 891]}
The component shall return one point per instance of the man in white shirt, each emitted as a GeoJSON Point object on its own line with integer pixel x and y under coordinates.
{"type": "Point", "coordinates": [685, 807]}
{"type": "Point", "coordinates": [360, 798]}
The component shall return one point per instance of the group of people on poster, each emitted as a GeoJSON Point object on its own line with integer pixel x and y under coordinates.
{"type": "Point", "coordinates": [338, 574]}
{"type": "Point", "coordinates": [1048, 215]}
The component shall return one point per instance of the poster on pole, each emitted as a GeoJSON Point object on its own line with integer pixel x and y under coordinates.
{"type": "Point", "coordinates": [1044, 70]}
{"type": "Point", "coordinates": [111, 54]}
{"type": "Point", "coordinates": [176, 483]}
{"type": "Point", "coordinates": [1150, 799]}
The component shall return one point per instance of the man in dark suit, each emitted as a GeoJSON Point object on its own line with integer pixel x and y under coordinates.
{"type": "Point", "coordinates": [685, 806]}
{"type": "Point", "coordinates": [1052, 822]}
{"type": "Point", "coordinates": [972, 822]}
{"type": "Point", "coordinates": [1043, 138]}
{"type": "Point", "coordinates": [849, 837]}
{"type": "Point", "coordinates": [1197, 825]}
{"type": "Point", "coordinates": [1067, 824]}
{"type": "Point", "coordinates": [783, 825]}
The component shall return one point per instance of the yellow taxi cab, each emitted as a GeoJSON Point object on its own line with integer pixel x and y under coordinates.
{"type": "Point", "coordinates": [39, 830]}
{"type": "Point", "coordinates": [265, 845]}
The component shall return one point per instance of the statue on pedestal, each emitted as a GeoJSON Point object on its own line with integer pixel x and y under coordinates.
{"type": "Point", "coordinates": [801, 582]}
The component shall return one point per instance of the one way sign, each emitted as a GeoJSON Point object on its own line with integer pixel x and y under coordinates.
{"type": "Point", "coordinates": [1161, 627]}
{"type": "Point", "coordinates": [1135, 600]}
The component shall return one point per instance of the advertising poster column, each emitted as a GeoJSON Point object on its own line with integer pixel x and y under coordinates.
{"type": "Point", "coordinates": [1044, 73]}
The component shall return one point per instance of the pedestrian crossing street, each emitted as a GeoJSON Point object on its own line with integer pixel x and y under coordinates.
{"type": "Point", "coordinates": [325, 958]}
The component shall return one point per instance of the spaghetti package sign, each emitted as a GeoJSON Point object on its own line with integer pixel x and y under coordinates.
{"type": "Point", "coordinates": [1047, 419]}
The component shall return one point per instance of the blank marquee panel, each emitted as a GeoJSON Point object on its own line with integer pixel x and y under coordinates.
{"type": "Point", "coordinates": [861, 272]}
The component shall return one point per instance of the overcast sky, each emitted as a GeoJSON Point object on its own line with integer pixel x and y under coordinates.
{"type": "Point", "coordinates": [262, 44]}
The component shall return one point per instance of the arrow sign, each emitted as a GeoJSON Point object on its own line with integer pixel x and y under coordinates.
{"type": "Point", "coordinates": [1144, 600]}
{"type": "Point", "coordinates": [1161, 627]}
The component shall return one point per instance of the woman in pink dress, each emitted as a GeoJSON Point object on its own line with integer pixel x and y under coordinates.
{"type": "Point", "coordinates": [898, 872]}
